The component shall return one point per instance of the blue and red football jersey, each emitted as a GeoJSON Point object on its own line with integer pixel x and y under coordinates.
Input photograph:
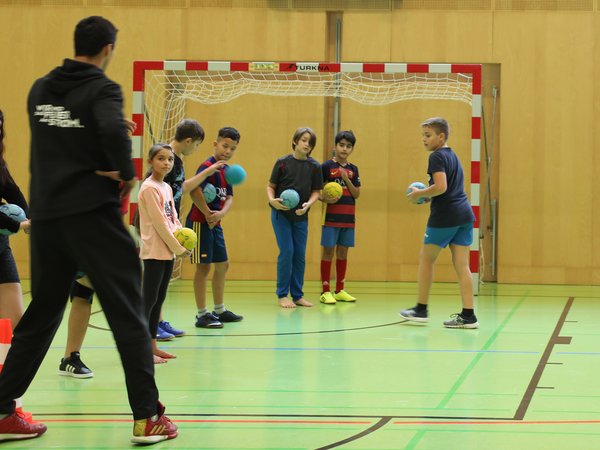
{"type": "Point", "coordinates": [342, 213]}
{"type": "Point", "coordinates": [222, 187]}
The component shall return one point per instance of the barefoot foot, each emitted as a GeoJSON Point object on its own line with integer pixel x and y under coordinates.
{"type": "Point", "coordinates": [163, 354]}
{"type": "Point", "coordinates": [285, 302]}
{"type": "Point", "coordinates": [303, 302]}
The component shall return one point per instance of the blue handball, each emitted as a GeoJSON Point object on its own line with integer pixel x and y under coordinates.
{"type": "Point", "coordinates": [290, 198]}
{"type": "Point", "coordinates": [418, 185]}
{"type": "Point", "coordinates": [14, 212]}
{"type": "Point", "coordinates": [235, 174]}
{"type": "Point", "coordinates": [210, 192]}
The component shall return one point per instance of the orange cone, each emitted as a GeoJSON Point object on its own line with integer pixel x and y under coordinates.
{"type": "Point", "coordinates": [5, 340]}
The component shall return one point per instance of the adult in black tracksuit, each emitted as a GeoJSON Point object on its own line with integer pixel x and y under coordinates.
{"type": "Point", "coordinates": [77, 128]}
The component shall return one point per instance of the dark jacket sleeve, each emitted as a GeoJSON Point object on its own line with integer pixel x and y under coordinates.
{"type": "Point", "coordinates": [11, 193]}
{"type": "Point", "coordinates": [108, 111]}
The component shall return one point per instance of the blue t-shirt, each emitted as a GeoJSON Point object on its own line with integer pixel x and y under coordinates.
{"type": "Point", "coordinates": [452, 208]}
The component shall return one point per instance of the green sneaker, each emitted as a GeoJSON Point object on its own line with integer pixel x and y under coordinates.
{"type": "Point", "coordinates": [343, 296]}
{"type": "Point", "coordinates": [327, 298]}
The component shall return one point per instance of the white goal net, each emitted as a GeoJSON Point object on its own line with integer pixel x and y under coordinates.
{"type": "Point", "coordinates": [168, 92]}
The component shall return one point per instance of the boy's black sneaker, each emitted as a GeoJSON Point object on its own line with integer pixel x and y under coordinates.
{"type": "Point", "coordinates": [458, 321]}
{"type": "Point", "coordinates": [74, 367]}
{"type": "Point", "coordinates": [208, 320]}
{"type": "Point", "coordinates": [413, 315]}
{"type": "Point", "coordinates": [228, 316]}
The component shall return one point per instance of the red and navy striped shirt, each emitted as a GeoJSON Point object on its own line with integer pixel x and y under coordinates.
{"type": "Point", "coordinates": [340, 214]}
{"type": "Point", "coordinates": [223, 188]}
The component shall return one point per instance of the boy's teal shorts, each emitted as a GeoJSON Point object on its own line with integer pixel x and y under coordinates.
{"type": "Point", "coordinates": [460, 235]}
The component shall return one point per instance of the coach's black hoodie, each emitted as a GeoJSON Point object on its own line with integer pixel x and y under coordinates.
{"type": "Point", "coordinates": [77, 127]}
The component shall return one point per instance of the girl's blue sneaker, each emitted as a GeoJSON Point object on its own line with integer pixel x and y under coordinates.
{"type": "Point", "coordinates": [167, 328]}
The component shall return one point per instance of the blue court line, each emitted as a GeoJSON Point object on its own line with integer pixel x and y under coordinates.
{"type": "Point", "coordinates": [332, 349]}
{"type": "Point", "coordinates": [578, 353]}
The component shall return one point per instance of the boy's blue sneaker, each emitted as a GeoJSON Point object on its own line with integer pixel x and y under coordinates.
{"type": "Point", "coordinates": [413, 315]}
{"type": "Point", "coordinates": [228, 316]}
{"type": "Point", "coordinates": [458, 321]}
{"type": "Point", "coordinates": [162, 335]}
{"type": "Point", "coordinates": [166, 326]}
{"type": "Point", "coordinates": [208, 320]}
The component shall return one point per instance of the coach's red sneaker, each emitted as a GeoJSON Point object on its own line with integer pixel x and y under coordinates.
{"type": "Point", "coordinates": [147, 431]}
{"type": "Point", "coordinates": [15, 426]}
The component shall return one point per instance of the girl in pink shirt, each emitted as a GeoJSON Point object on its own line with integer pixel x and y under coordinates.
{"type": "Point", "coordinates": [158, 222]}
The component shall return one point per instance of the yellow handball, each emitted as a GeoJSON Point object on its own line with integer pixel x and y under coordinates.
{"type": "Point", "coordinates": [333, 190]}
{"type": "Point", "coordinates": [187, 238]}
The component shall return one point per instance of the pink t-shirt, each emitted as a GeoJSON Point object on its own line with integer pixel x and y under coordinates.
{"type": "Point", "coordinates": [158, 221]}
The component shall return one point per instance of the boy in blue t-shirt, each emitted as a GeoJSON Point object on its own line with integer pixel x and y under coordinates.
{"type": "Point", "coordinates": [337, 233]}
{"type": "Point", "coordinates": [450, 223]}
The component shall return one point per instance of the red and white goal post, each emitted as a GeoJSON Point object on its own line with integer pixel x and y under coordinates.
{"type": "Point", "coordinates": [161, 90]}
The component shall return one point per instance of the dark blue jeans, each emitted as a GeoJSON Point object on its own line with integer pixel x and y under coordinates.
{"type": "Point", "coordinates": [291, 240]}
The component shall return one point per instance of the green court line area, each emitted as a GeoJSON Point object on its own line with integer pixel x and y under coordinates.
{"type": "Point", "coordinates": [350, 375]}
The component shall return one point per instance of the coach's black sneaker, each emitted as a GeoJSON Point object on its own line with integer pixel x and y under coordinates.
{"type": "Point", "coordinates": [228, 316]}
{"type": "Point", "coordinates": [458, 321]}
{"type": "Point", "coordinates": [74, 367]}
{"type": "Point", "coordinates": [208, 320]}
{"type": "Point", "coordinates": [414, 315]}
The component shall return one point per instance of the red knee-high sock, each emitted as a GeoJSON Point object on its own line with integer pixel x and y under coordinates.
{"type": "Point", "coordinates": [325, 275]}
{"type": "Point", "coordinates": [340, 273]}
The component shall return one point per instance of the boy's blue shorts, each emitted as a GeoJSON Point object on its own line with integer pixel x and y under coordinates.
{"type": "Point", "coordinates": [332, 236]}
{"type": "Point", "coordinates": [211, 244]}
{"type": "Point", "coordinates": [461, 235]}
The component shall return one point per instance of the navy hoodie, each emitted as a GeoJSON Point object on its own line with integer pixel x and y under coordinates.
{"type": "Point", "coordinates": [77, 127]}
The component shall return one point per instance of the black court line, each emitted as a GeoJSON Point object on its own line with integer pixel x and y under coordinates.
{"type": "Point", "coordinates": [293, 333]}
{"type": "Point", "coordinates": [383, 421]}
{"type": "Point", "coordinates": [555, 339]}
{"type": "Point", "coordinates": [95, 327]}
{"type": "Point", "coordinates": [272, 334]}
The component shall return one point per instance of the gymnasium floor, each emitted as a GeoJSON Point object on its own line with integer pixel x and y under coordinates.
{"type": "Point", "coordinates": [350, 376]}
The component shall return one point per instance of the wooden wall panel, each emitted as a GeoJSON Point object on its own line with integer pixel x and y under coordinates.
{"type": "Point", "coordinates": [595, 157]}
{"type": "Point", "coordinates": [436, 36]}
{"type": "Point", "coordinates": [548, 62]}
{"type": "Point", "coordinates": [545, 231]}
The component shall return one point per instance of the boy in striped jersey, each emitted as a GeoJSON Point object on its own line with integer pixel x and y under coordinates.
{"type": "Point", "coordinates": [205, 220]}
{"type": "Point", "coordinates": [338, 225]}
